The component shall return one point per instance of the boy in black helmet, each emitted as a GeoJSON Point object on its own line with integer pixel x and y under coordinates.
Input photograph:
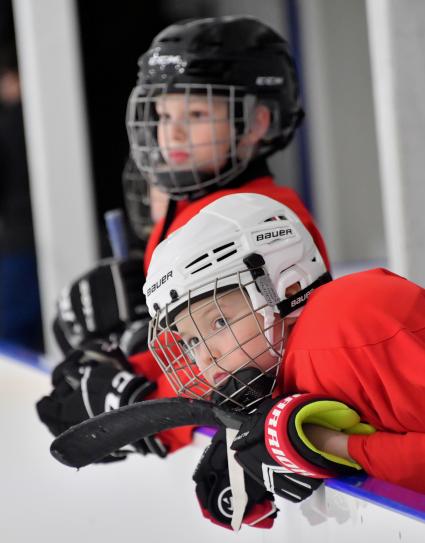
{"type": "Point", "coordinates": [236, 60]}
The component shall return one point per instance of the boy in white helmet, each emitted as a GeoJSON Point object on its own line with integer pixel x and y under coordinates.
{"type": "Point", "coordinates": [245, 314]}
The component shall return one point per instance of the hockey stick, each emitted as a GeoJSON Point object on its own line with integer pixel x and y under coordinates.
{"type": "Point", "coordinates": [115, 225]}
{"type": "Point", "coordinates": [95, 438]}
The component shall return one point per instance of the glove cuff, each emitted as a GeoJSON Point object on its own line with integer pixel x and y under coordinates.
{"type": "Point", "coordinates": [288, 446]}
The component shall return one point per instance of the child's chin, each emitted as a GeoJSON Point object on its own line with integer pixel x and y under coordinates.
{"type": "Point", "coordinates": [198, 395]}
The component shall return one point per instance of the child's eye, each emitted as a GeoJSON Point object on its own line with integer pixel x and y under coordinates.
{"type": "Point", "coordinates": [164, 117]}
{"type": "Point", "coordinates": [198, 114]}
{"type": "Point", "coordinates": [192, 342]}
{"type": "Point", "coordinates": [219, 323]}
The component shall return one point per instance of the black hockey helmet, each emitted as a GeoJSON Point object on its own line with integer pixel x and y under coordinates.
{"type": "Point", "coordinates": [233, 56]}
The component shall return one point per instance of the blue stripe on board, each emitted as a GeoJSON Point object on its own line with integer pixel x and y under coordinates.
{"type": "Point", "coordinates": [396, 498]}
{"type": "Point", "coordinates": [22, 355]}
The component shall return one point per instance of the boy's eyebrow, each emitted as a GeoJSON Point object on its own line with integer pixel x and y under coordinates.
{"type": "Point", "coordinates": [205, 311]}
{"type": "Point", "coordinates": [190, 314]}
{"type": "Point", "coordinates": [221, 302]}
{"type": "Point", "coordinates": [223, 299]}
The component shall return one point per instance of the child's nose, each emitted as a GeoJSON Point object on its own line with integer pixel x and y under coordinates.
{"type": "Point", "coordinates": [206, 355]}
{"type": "Point", "coordinates": [177, 130]}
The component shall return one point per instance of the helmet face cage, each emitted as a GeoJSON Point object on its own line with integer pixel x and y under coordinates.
{"type": "Point", "coordinates": [234, 261]}
{"type": "Point", "coordinates": [213, 162]}
{"type": "Point", "coordinates": [234, 355]}
{"type": "Point", "coordinates": [136, 199]}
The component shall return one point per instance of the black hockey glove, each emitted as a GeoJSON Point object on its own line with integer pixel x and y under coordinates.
{"type": "Point", "coordinates": [274, 450]}
{"type": "Point", "coordinates": [134, 339]}
{"type": "Point", "coordinates": [91, 382]}
{"type": "Point", "coordinates": [100, 302]}
{"type": "Point", "coordinates": [214, 494]}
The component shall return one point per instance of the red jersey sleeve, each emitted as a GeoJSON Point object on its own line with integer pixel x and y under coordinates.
{"type": "Point", "coordinates": [396, 458]}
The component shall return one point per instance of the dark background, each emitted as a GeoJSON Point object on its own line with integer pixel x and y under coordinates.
{"type": "Point", "coordinates": [113, 36]}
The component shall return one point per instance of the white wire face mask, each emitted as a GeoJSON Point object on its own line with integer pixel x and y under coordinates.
{"type": "Point", "coordinates": [188, 139]}
{"type": "Point", "coordinates": [217, 346]}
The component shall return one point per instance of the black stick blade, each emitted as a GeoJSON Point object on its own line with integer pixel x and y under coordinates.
{"type": "Point", "coordinates": [100, 436]}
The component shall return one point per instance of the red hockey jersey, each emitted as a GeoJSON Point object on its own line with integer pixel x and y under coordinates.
{"type": "Point", "coordinates": [361, 340]}
{"type": "Point", "coordinates": [264, 185]}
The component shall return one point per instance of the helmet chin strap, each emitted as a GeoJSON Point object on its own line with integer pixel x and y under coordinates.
{"type": "Point", "coordinates": [180, 184]}
{"type": "Point", "coordinates": [290, 305]}
{"type": "Point", "coordinates": [276, 343]}
{"type": "Point", "coordinates": [246, 387]}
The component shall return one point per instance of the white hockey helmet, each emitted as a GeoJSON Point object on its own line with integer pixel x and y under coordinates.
{"type": "Point", "coordinates": [242, 242]}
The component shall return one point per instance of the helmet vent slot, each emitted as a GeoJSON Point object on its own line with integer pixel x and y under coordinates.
{"type": "Point", "coordinates": [227, 255]}
{"type": "Point", "coordinates": [211, 256]}
{"type": "Point", "coordinates": [201, 268]}
{"type": "Point", "coordinates": [222, 247]}
{"type": "Point", "coordinates": [196, 260]}
{"type": "Point", "coordinates": [170, 39]}
{"type": "Point", "coordinates": [276, 218]}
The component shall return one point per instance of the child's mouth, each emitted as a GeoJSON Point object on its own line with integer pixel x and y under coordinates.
{"type": "Point", "coordinates": [220, 377]}
{"type": "Point", "coordinates": [178, 157]}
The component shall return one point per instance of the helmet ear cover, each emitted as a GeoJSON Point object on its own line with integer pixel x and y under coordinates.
{"type": "Point", "coordinates": [298, 300]}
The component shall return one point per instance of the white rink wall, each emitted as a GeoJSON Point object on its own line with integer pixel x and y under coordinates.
{"type": "Point", "coordinates": [144, 498]}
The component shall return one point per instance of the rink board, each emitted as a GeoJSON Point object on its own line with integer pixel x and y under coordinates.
{"type": "Point", "coordinates": [152, 500]}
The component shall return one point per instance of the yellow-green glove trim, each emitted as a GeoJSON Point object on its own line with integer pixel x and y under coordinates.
{"type": "Point", "coordinates": [333, 415]}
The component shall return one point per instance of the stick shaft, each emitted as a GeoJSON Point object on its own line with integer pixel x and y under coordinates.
{"type": "Point", "coordinates": [104, 434]}
{"type": "Point", "coordinates": [115, 225]}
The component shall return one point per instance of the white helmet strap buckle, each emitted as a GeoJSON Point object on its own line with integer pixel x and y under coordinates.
{"type": "Point", "coordinates": [256, 265]}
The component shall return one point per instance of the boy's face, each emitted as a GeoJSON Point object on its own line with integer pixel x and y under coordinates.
{"type": "Point", "coordinates": [193, 132]}
{"type": "Point", "coordinates": [223, 336]}
{"type": "Point", "coordinates": [10, 91]}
